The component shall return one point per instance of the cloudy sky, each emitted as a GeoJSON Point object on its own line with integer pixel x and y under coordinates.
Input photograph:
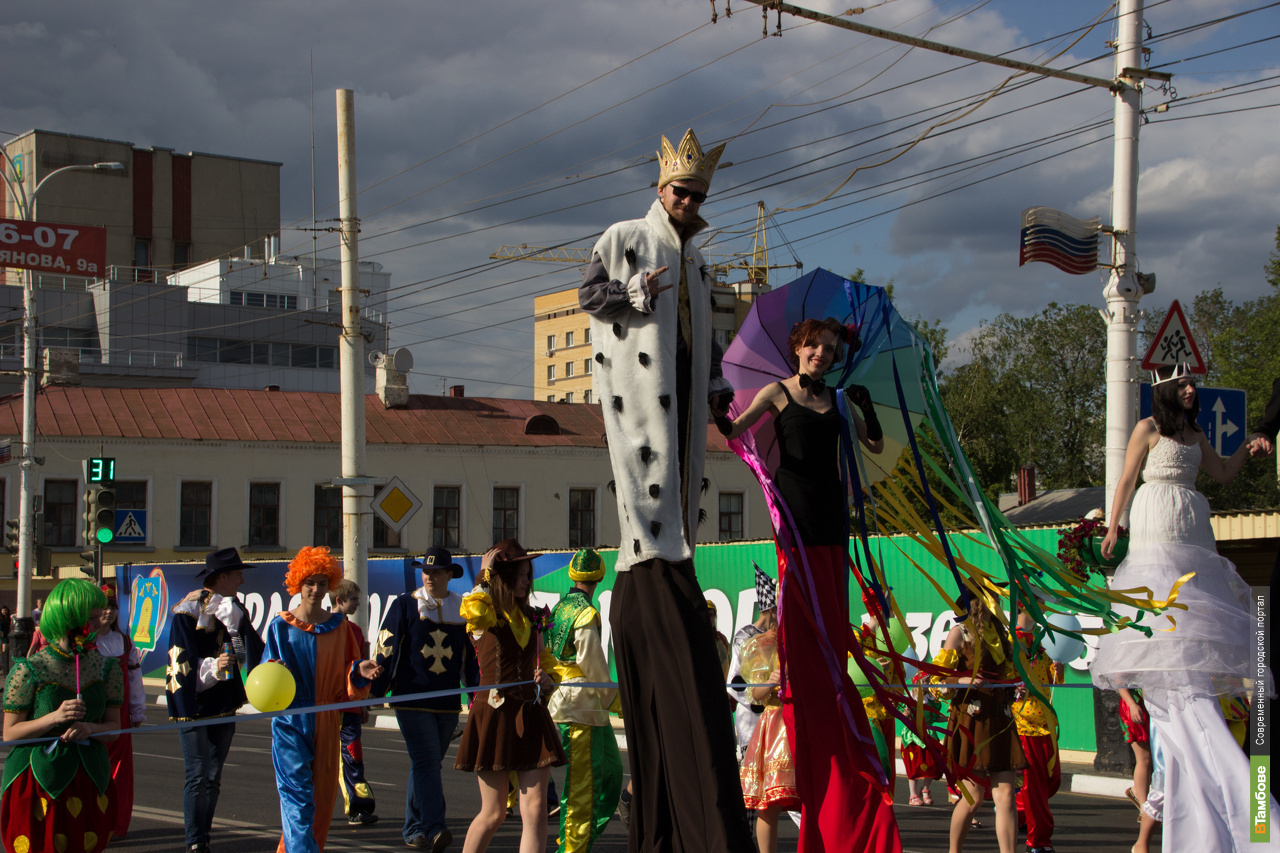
{"type": "Point", "coordinates": [505, 122]}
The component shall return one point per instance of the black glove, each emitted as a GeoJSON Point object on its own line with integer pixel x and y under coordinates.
{"type": "Point", "coordinates": [724, 425]}
{"type": "Point", "coordinates": [861, 397]}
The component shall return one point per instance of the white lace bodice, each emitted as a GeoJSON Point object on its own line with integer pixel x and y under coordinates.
{"type": "Point", "coordinates": [1172, 463]}
{"type": "Point", "coordinates": [1167, 508]}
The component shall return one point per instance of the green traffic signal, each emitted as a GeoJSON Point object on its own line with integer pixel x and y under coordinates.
{"type": "Point", "coordinates": [105, 535]}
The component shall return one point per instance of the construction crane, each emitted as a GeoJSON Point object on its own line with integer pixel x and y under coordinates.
{"type": "Point", "coordinates": [755, 262]}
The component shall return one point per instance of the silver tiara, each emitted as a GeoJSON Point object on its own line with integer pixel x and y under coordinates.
{"type": "Point", "coordinates": [1181, 370]}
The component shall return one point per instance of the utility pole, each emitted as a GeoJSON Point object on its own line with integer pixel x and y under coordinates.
{"type": "Point", "coordinates": [357, 489]}
{"type": "Point", "coordinates": [1123, 291]}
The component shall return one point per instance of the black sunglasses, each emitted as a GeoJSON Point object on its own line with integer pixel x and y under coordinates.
{"type": "Point", "coordinates": [692, 195]}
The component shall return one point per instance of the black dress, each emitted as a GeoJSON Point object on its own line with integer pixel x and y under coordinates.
{"type": "Point", "coordinates": [808, 474]}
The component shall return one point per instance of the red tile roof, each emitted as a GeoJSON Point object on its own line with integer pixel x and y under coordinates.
{"type": "Point", "coordinates": [211, 414]}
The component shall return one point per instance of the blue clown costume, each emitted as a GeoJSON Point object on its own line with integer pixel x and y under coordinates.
{"type": "Point", "coordinates": [324, 660]}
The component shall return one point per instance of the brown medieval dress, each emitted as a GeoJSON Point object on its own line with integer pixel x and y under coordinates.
{"type": "Point", "coordinates": [510, 728]}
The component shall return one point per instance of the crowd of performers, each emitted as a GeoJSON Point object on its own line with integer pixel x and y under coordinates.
{"type": "Point", "coordinates": [815, 697]}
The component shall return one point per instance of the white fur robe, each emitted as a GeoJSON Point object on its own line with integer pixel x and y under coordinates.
{"type": "Point", "coordinates": [635, 380]}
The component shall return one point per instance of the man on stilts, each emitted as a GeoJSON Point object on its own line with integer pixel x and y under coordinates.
{"type": "Point", "coordinates": [650, 301]}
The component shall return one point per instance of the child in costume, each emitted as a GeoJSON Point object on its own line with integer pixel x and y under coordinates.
{"type": "Point", "coordinates": [324, 655]}
{"type": "Point", "coordinates": [116, 648]}
{"type": "Point", "coordinates": [1037, 733]}
{"type": "Point", "coordinates": [65, 691]}
{"type": "Point", "coordinates": [508, 729]}
{"type": "Point", "coordinates": [871, 637]}
{"type": "Point", "coordinates": [357, 796]}
{"type": "Point", "coordinates": [768, 773]}
{"type": "Point", "coordinates": [982, 737]}
{"type": "Point", "coordinates": [921, 766]}
{"type": "Point", "coordinates": [747, 714]}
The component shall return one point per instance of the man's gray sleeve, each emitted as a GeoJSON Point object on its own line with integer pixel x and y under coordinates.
{"type": "Point", "coordinates": [599, 295]}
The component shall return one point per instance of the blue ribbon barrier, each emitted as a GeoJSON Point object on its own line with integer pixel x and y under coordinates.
{"type": "Point", "coordinates": [414, 697]}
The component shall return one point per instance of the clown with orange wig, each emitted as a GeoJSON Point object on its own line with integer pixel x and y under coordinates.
{"type": "Point", "coordinates": [322, 652]}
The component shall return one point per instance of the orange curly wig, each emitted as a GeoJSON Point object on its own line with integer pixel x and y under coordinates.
{"type": "Point", "coordinates": [312, 561]}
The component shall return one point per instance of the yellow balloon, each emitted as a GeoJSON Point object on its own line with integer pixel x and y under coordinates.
{"type": "Point", "coordinates": [270, 686]}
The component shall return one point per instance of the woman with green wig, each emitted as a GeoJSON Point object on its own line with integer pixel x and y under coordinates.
{"type": "Point", "coordinates": [56, 794]}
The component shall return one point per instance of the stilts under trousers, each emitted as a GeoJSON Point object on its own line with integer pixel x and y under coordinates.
{"type": "Point", "coordinates": [686, 797]}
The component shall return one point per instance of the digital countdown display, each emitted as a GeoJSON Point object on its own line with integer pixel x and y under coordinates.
{"type": "Point", "coordinates": [99, 470]}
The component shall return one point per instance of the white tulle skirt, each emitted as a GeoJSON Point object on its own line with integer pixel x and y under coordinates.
{"type": "Point", "coordinates": [1208, 648]}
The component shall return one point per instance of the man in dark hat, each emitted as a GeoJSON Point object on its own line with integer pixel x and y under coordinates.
{"type": "Point", "coordinates": [423, 647]}
{"type": "Point", "coordinates": [203, 682]}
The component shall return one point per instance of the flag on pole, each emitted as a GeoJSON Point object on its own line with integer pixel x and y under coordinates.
{"type": "Point", "coordinates": [6, 450]}
{"type": "Point", "coordinates": [1053, 237]}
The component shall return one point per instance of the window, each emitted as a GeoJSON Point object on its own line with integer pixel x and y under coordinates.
{"type": "Point", "coordinates": [383, 536]}
{"type": "Point", "coordinates": [551, 373]}
{"type": "Point", "coordinates": [586, 335]}
{"type": "Point", "coordinates": [506, 512]}
{"type": "Point", "coordinates": [723, 337]}
{"type": "Point", "coordinates": [568, 368]}
{"type": "Point", "coordinates": [251, 299]}
{"type": "Point", "coordinates": [582, 518]}
{"type": "Point", "coordinates": [730, 515]}
{"type": "Point", "coordinates": [551, 398]}
{"type": "Point", "coordinates": [446, 517]}
{"type": "Point", "coordinates": [260, 352]}
{"type": "Point", "coordinates": [586, 396]}
{"type": "Point", "coordinates": [181, 255]}
{"type": "Point", "coordinates": [131, 494]}
{"type": "Point", "coordinates": [551, 343]}
{"type": "Point", "coordinates": [60, 512]}
{"type": "Point", "coordinates": [141, 252]}
{"type": "Point", "coordinates": [195, 514]}
{"type": "Point", "coordinates": [586, 366]}
{"type": "Point", "coordinates": [264, 514]}
{"type": "Point", "coordinates": [327, 517]}
{"type": "Point", "coordinates": [568, 397]}
{"type": "Point", "coordinates": [568, 339]}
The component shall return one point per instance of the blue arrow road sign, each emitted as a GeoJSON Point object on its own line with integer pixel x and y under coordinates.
{"type": "Point", "coordinates": [1222, 416]}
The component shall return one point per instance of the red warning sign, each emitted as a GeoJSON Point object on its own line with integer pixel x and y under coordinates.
{"type": "Point", "coordinates": [1173, 344]}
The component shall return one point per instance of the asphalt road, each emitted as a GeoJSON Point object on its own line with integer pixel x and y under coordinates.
{"type": "Point", "coordinates": [248, 817]}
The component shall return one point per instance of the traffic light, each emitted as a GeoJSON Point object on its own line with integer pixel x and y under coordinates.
{"type": "Point", "coordinates": [99, 515]}
{"type": "Point", "coordinates": [11, 535]}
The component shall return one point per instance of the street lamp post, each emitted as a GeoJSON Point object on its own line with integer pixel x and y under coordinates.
{"type": "Point", "coordinates": [22, 624]}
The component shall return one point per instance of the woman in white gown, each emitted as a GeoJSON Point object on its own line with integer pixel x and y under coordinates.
{"type": "Point", "coordinates": [1208, 651]}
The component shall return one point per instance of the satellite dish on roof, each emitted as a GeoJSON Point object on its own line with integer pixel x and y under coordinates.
{"type": "Point", "coordinates": [401, 360]}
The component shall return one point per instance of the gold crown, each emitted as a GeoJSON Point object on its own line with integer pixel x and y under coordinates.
{"type": "Point", "coordinates": [687, 161]}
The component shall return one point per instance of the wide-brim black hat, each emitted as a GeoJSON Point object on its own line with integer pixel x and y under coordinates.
{"type": "Point", "coordinates": [223, 560]}
{"type": "Point", "coordinates": [439, 558]}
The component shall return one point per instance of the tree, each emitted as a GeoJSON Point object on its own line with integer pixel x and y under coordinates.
{"type": "Point", "coordinates": [1033, 393]}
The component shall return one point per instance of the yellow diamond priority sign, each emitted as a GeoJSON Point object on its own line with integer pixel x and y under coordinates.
{"type": "Point", "coordinates": [395, 504]}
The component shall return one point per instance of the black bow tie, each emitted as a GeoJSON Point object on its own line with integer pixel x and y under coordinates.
{"type": "Point", "coordinates": [818, 385]}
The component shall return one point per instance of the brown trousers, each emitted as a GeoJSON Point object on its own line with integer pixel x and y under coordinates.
{"type": "Point", "coordinates": [686, 795]}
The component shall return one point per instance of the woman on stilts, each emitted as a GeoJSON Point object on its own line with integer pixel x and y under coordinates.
{"type": "Point", "coordinates": [846, 803]}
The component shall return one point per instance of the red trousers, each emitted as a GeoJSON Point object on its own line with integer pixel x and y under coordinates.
{"type": "Point", "coordinates": [1039, 784]}
{"type": "Point", "coordinates": [844, 807]}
